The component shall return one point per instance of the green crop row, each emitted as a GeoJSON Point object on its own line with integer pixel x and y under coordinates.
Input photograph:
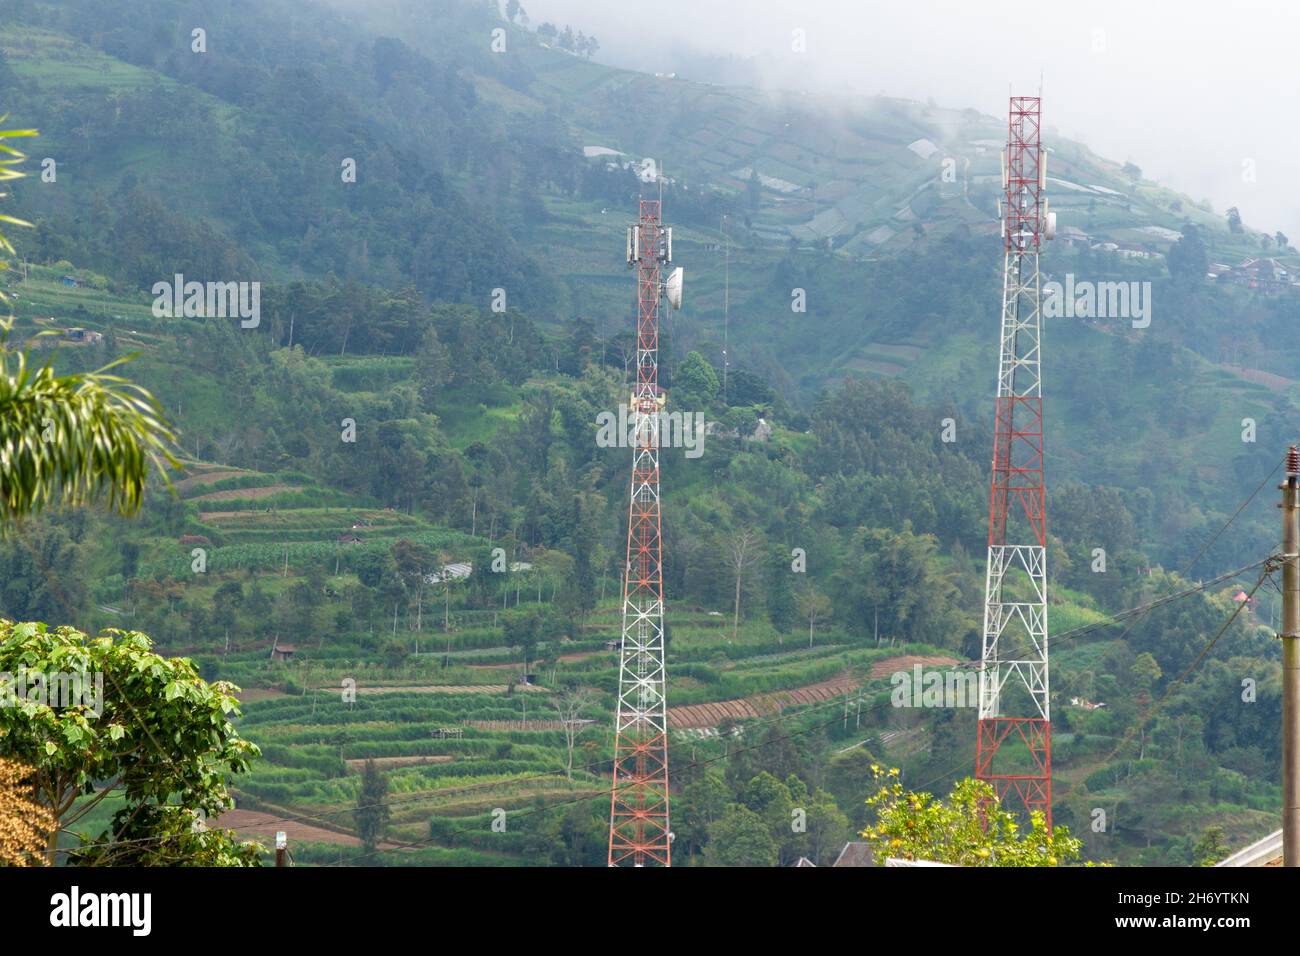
{"type": "Point", "coordinates": [287, 500]}
{"type": "Point", "coordinates": [324, 854]}
{"type": "Point", "coordinates": [264, 535]}
{"type": "Point", "coordinates": [393, 714]}
{"type": "Point", "coordinates": [267, 555]}
{"type": "Point", "coordinates": [322, 518]}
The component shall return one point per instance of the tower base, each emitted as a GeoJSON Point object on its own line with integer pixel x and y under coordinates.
{"type": "Point", "coordinates": [638, 833]}
{"type": "Point", "coordinates": [1032, 784]}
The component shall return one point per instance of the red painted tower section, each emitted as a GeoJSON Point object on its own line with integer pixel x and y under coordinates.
{"type": "Point", "coordinates": [1014, 745]}
{"type": "Point", "coordinates": [638, 823]}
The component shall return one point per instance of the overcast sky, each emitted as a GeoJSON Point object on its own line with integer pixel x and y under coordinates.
{"type": "Point", "coordinates": [1188, 90]}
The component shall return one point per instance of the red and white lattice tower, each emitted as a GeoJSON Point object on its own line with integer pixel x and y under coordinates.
{"type": "Point", "coordinates": [1014, 746]}
{"type": "Point", "coordinates": [638, 821]}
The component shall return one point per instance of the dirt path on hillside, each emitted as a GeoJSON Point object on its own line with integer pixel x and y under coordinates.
{"type": "Point", "coordinates": [254, 694]}
{"type": "Point", "coordinates": [905, 662]}
{"type": "Point", "coordinates": [234, 494]}
{"type": "Point", "coordinates": [263, 825]}
{"type": "Point", "coordinates": [207, 478]}
{"type": "Point", "coordinates": [1259, 377]}
{"type": "Point", "coordinates": [694, 716]}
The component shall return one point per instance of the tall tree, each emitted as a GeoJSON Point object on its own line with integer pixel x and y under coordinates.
{"type": "Point", "coordinates": [432, 368]}
{"type": "Point", "coordinates": [1188, 259]}
{"type": "Point", "coordinates": [372, 811]}
{"type": "Point", "coordinates": [569, 705]}
{"type": "Point", "coordinates": [743, 553]}
{"type": "Point", "coordinates": [694, 384]}
{"type": "Point", "coordinates": [703, 803]}
{"type": "Point", "coordinates": [814, 606]}
{"type": "Point", "coordinates": [740, 837]}
{"type": "Point", "coordinates": [414, 565]}
{"type": "Point", "coordinates": [782, 608]}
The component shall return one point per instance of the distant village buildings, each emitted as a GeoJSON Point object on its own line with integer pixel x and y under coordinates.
{"type": "Point", "coordinates": [1263, 274]}
{"type": "Point", "coordinates": [646, 170]}
{"type": "Point", "coordinates": [68, 337]}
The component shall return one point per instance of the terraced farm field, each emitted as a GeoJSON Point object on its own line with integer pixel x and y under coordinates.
{"type": "Point", "coordinates": [454, 753]}
{"type": "Point", "coordinates": [697, 716]}
{"type": "Point", "coordinates": [245, 493]}
{"type": "Point", "coordinates": [264, 825]}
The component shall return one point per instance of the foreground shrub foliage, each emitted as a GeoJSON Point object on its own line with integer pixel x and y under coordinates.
{"type": "Point", "coordinates": [971, 829]}
{"type": "Point", "coordinates": [157, 737]}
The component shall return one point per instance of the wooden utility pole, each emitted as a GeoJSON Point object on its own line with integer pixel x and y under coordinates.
{"type": "Point", "coordinates": [1290, 637]}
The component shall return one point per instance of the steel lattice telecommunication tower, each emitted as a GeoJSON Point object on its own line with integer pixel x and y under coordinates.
{"type": "Point", "coordinates": [638, 821]}
{"type": "Point", "coordinates": [1014, 746]}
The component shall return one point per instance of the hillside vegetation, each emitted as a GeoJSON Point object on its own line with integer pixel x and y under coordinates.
{"type": "Point", "coordinates": [382, 423]}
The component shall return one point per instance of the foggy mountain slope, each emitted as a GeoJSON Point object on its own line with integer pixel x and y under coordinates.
{"type": "Point", "coordinates": [435, 201]}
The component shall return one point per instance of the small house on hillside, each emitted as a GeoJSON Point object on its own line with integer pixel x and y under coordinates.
{"type": "Point", "coordinates": [449, 572]}
{"type": "Point", "coordinates": [1263, 274]}
{"type": "Point", "coordinates": [66, 337]}
{"type": "Point", "coordinates": [1073, 236]}
{"type": "Point", "coordinates": [762, 432]}
{"type": "Point", "coordinates": [282, 652]}
{"type": "Point", "coordinates": [855, 854]}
